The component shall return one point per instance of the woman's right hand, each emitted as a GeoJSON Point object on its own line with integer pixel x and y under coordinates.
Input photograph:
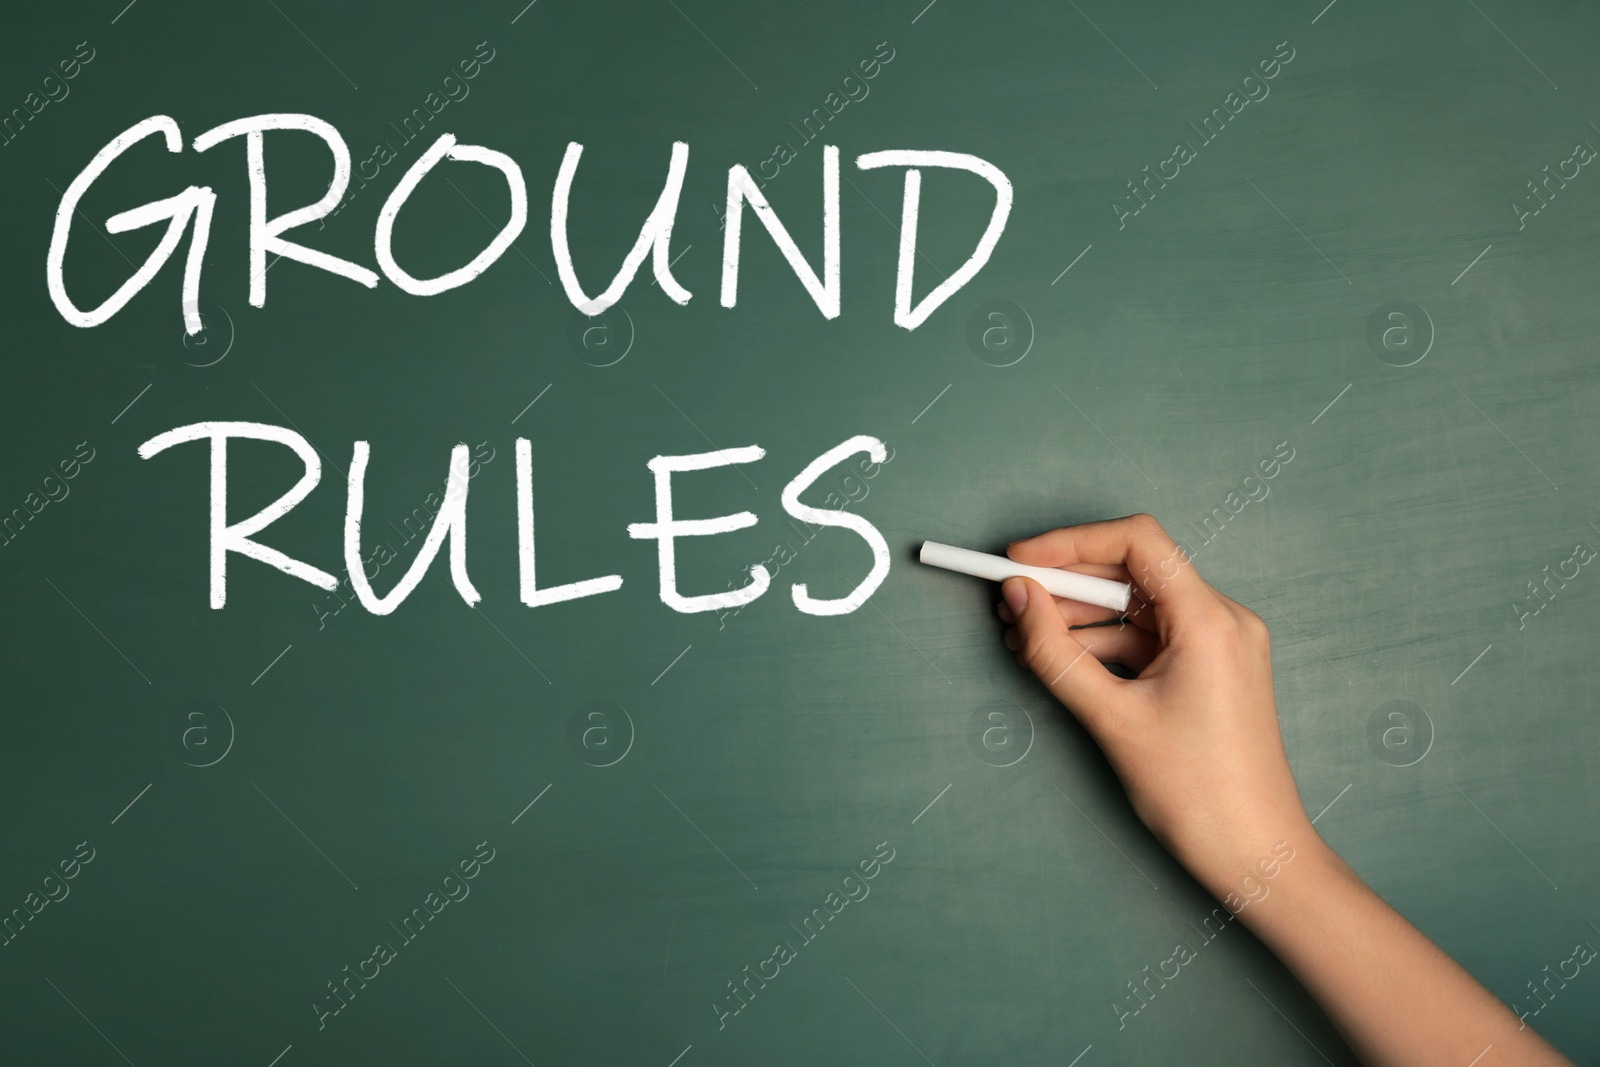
{"type": "Point", "coordinates": [1194, 737]}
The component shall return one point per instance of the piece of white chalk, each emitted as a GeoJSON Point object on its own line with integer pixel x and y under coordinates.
{"type": "Point", "coordinates": [1086, 588]}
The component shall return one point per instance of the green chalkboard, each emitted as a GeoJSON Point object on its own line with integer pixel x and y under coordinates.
{"type": "Point", "coordinates": [1352, 244]}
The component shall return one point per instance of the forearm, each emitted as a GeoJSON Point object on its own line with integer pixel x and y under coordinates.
{"type": "Point", "coordinates": [1397, 998]}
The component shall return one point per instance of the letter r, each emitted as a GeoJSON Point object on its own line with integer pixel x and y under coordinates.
{"type": "Point", "coordinates": [227, 538]}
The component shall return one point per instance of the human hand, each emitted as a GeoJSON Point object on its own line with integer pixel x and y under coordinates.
{"type": "Point", "coordinates": [1194, 738]}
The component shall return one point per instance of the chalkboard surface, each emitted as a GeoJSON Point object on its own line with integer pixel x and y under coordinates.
{"type": "Point", "coordinates": [1352, 244]}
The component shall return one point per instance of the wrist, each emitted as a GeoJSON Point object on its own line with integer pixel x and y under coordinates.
{"type": "Point", "coordinates": [1246, 870]}
{"type": "Point", "coordinates": [1300, 896]}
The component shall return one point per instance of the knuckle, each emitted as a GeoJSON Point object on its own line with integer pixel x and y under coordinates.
{"type": "Point", "coordinates": [1214, 627]}
{"type": "Point", "coordinates": [1145, 523]}
{"type": "Point", "coordinates": [1215, 617]}
{"type": "Point", "coordinates": [1255, 626]}
{"type": "Point", "coordinates": [1144, 528]}
{"type": "Point", "coordinates": [1247, 630]}
{"type": "Point", "coordinates": [1038, 652]}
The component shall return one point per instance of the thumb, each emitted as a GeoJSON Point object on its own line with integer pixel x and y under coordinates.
{"type": "Point", "coordinates": [1071, 673]}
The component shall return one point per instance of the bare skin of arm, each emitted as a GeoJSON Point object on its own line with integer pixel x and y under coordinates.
{"type": "Point", "coordinates": [1196, 743]}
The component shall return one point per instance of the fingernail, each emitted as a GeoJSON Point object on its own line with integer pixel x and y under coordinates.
{"type": "Point", "coordinates": [1015, 590]}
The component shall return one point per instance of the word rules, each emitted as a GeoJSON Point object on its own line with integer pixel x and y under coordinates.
{"type": "Point", "coordinates": [450, 523]}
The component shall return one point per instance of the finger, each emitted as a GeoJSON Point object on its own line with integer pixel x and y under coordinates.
{"type": "Point", "coordinates": [1127, 645]}
{"type": "Point", "coordinates": [1115, 571]}
{"type": "Point", "coordinates": [1073, 612]}
{"type": "Point", "coordinates": [1160, 570]}
{"type": "Point", "coordinates": [1137, 612]}
{"type": "Point", "coordinates": [1077, 613]}
{"type": "Point", "coordinates": [1060, 661]}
